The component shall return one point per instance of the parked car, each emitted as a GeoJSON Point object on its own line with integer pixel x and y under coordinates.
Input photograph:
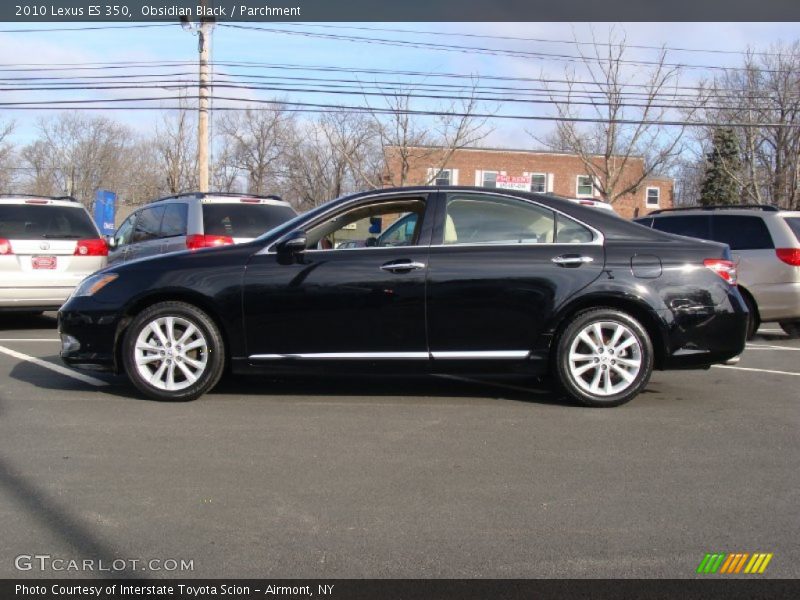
{"type": "Point", "coordinates": [765, 242]}
{"type": "Point", "coordinates": [196, 220]}
{"type": "Point", "coordinates": [47, 246]}
{"type": "Point", "coordinates": [489, 282]}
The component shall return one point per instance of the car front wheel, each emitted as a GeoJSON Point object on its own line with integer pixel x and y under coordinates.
{"type": "Point", "coordinates": [604, 357]}
{"type": "Point", "coordinates": [173, 351]}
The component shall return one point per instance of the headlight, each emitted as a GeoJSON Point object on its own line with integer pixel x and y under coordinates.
{"type": "Point", "coordinates": [93, 284]}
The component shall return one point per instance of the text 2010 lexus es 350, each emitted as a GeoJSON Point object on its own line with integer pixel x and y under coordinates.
{"type": "Point", "coordinates": [432, 280]}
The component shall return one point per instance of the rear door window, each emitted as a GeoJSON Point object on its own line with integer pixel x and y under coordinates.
{"type": "Point", "coordinates": [148, 224]}
{"type": "Point", "coordinates": [37, 222]}
{"type": "Point", "coordinates": [695, 226]}
{"type": "Point", "coordinates": [174, 221]}
{"type": "Point", "coordinates": [794, 225]}
{"type": "Point", "coordinates": [741, 232]}
{"type": "Point", "coordinates": [243, 220]}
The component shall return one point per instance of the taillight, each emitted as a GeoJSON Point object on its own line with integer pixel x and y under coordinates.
{"type": "Point", "coordinates": [5, 247]}
{"type": "Point", "coordinates": [724, 268]}
{"type": "Point", "coordinates": [196, 241]}
{"type": "Point", "coordinates": [93, 247]}
{"type": "Point", "coordinates": [791, 256]}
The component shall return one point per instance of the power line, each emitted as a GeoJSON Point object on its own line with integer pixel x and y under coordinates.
{"type": "Point", "coordinates": [89, 28]}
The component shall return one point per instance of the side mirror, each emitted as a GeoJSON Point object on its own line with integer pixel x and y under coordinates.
{"type": "Point", "coordinates": [293, 242]}
{"type": "Point", "coordinates": [111, 241]}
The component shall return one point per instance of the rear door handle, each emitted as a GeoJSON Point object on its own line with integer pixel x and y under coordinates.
{"type": "Point", "coordinates": [402, 266]}
{"type": "Point", "coordinates": [571, 260]}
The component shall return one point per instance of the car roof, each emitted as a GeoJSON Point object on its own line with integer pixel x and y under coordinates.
{"type": "Point", "coordinates": [735, 209]}
{"type": "Point", "coordinates": [34, 199]}
{"type": "Point", "coordinates": [223, 197]}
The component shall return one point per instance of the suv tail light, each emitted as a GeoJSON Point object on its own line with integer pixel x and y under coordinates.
{"type": "Point", "coordinates": [791, 256]}
{"type": "Point", "coordinates": [5, 247]}
{"type": "Point", "coordinates": [722, 267]}
{"type": "Point", "coordinates": [195, 242]}
{"type": "Point", "coordinates": [93, 247]}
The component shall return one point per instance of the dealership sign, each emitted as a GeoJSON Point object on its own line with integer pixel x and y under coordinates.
{"type": "Point", "coordinates": [521, 183]}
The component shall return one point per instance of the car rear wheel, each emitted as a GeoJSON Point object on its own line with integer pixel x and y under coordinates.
{"type": "Point", "coordinates": [753, 322]}
{"type": "Point", "coordinates": [792, 328]}
{"type": "Point", "coordinates": [604, 357]}
{"type": "Point", "coordinates": [173, 351]}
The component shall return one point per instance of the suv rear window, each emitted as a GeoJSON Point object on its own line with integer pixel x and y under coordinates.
{"type": "Point", "coordinates": [243, 220]}
{"type": "Point", "coordinates": [794, 225]}
{"type": "Point", "coordinates": [695, 226]}
{"type": "Point", "coordinates": [741, 232]}
{"type": "Point", "coordinates": [37, 222]}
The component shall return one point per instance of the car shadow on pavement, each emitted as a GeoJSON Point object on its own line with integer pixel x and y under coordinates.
{"type": "Point", "coordinates": [15, 321]}
{"type": "Point", "coordinates": [354, 387]}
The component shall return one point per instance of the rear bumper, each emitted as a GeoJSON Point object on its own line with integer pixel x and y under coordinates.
{"type": "Point", "coordinates": [778, 302]}
{"type": "Point", "coordinates": [43, 298]}
{"type": "Point", "coordinates": [705, 337]}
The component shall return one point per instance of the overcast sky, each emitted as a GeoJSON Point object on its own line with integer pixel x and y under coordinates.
{"type": "Point", "coordinates": [229, 44]}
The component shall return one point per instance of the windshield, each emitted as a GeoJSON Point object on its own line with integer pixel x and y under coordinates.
{"type": "Point", "coordinates": [37, 222]}
{"type": "Point", "coordinates": [243, 220]}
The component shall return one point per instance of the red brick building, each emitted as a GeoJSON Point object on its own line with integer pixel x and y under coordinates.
{"type": "Point", "coordinates": [559, 173]}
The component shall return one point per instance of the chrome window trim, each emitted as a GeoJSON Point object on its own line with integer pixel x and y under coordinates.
{"type": "Point", "coordinates": [598, 235]}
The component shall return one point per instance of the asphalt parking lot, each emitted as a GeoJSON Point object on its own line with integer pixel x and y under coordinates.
{"type": "Point", "coordinates": [398, 477]}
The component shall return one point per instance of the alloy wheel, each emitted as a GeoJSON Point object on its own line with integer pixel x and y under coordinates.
{"type": "Point", "coordinates": [605, 358]}
{"type": "Point", "coordinates": [171, 353]}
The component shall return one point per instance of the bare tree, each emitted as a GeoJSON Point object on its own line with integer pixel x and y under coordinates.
{"type": "Point", "coordinates": [8, 161]}
{"type": "Point", "coordinates": [628, 129]}
{"type": "Point", "coordinates": [257, 142]}
{"type": "Point", "coordinates": [77, 154]}
{"type": "Point", "coordinates": [175, 144]}
{"type": "Point", "coordinates": [405, 139]}
{"type": "Point", "coordinates": [764, 95]}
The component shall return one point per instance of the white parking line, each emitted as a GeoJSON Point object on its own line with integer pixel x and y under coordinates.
{"type": "Point", "coordinates": [56, 368]}
{"type": "Point", "coordinates": [757, 370]}
{"type": "Point", "coordinates": [29, 340]}
{"type": "Point", "coordinates": [770, 347]}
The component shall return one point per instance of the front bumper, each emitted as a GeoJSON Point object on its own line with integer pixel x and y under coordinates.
{"type": "Point", "coordinates": [88, 334]}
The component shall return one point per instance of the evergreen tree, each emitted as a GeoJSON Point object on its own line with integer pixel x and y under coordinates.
{"type": "Point", "coordinates": [720, 185]}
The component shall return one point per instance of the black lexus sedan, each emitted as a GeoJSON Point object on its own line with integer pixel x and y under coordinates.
{"type": "Point", "coordinates": [435, 280]}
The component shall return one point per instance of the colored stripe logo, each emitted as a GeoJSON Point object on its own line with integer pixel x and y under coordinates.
{"type": "Point", "coordinates": [728, 563]}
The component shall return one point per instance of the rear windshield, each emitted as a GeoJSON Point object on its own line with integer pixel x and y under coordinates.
{"type": "Point", "coordinates": [34, 222]}
{"type": "Point", "coordinates": [794, 225]}
{"type": "Point", "coordinates": [243, 220]}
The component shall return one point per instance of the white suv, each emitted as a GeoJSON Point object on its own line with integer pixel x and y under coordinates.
{"type": "Point", "coordinates": [47, 246]}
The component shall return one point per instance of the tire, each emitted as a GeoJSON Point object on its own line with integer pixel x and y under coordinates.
{"type": "Point", "coordinates": [792, 328]}
{"type": "Point", "coordinates": [173, 351]}
{"type": "Point", "coordinates": [753, 322]}
{"type": "Point", "coordinates": [592, 373]}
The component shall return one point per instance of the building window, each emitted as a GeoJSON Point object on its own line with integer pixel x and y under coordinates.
{"type": "Point", "coordinates": [489, 179]}
{"type": "Point", "coordinates": [585, 186]}
{"type": "Point", "coordinates": [653, 196]}
{"type": "Point", "coordinates": [538, 182]}
{"type": "Point", "coordinates": [443, 177]}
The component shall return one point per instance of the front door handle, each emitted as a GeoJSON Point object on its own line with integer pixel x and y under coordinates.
{"type": "Point", "coordinates": [571, 260]}
{"type": "Point", "coordinates": [402, 266]}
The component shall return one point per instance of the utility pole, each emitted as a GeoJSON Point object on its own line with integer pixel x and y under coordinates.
{"type": "Point", "coordinates": [206, 25]}
{"type": "Point", "coordinates": [204, 48]}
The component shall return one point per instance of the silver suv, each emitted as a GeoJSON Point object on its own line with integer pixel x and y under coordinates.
{"type": "Point", "coordinates": [47, 246]}
{"type": "Point", "coordinates": [196, 220]}
{"type": "Point", "coordinates": [765, 242]}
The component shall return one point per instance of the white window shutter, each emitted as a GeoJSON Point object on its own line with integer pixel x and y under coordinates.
{"type": "Point", "coordinates": [431, 174]}
{"type": "Point", "coordinates": [478, 177]}
{"type": "Point", "coordinates": [454, 177]}
{"type": "Point", "coordinates": [596, 188]}
{"type": "Point", "coordinates": [550, 182]}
